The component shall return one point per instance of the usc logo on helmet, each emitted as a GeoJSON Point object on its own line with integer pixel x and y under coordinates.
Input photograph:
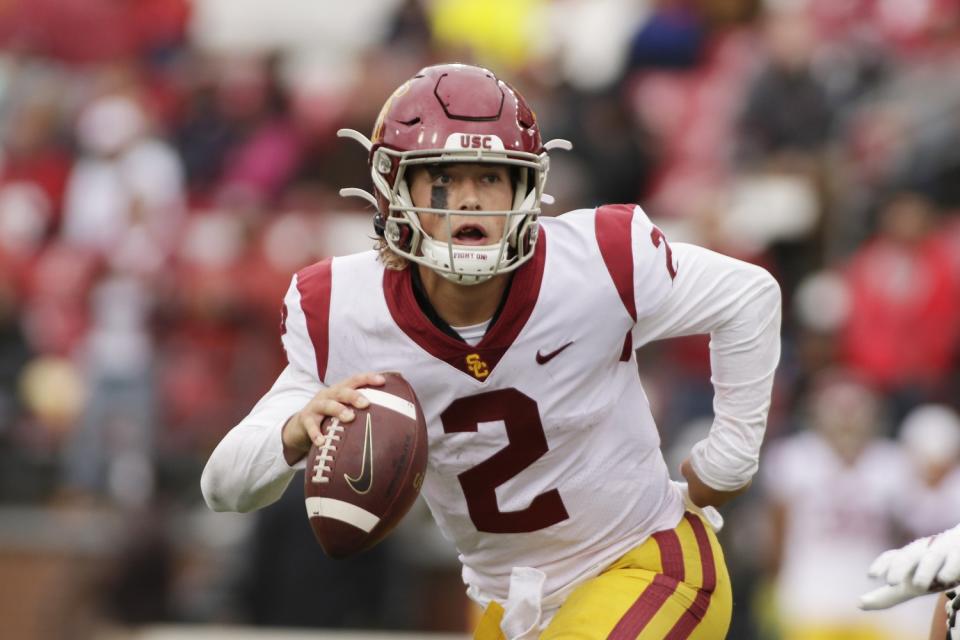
{"type": "Point", "coordinates": [477, 366]}
{"type": "Point", "coordinates": [475, 142]}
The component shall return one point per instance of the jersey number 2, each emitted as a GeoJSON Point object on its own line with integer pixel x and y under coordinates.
{"type": "Point", "coordinates": [526, 443]}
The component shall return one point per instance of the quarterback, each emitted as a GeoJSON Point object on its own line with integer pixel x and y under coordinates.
{"type": "Point", "coordinates": [519, 335]}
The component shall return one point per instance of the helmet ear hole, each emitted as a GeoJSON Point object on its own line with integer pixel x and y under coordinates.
{"type": "Point", "coordinates": [378, 224]}
{"type": "Point", "coordinates": [406, 235]}
{"type": "Point", "coordinates": [401, 235]}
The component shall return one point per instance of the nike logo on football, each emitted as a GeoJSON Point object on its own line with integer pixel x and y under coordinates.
{"type": "Point", "coordinates": [544, 358]}
{"type": "Point", "coordinates": [362, 483]}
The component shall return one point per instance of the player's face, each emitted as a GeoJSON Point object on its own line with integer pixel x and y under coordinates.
{"type": "Point", "coordinates": [463, 187]}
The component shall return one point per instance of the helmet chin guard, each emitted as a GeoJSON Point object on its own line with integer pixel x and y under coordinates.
{"type": "Point", "coordinates": [456, 114]}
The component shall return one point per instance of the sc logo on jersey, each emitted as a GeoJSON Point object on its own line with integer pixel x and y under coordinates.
{"type": "Point", "coordinates": [477, 366]}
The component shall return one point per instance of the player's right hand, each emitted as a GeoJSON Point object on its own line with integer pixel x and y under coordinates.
{"type": "Point", "coordinates": [302, 430]}
{"type": "Point", "coordinates": [926, 565]}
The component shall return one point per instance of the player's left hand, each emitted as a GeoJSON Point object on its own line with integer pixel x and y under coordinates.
{"type": "Point", "coordinates": [926, 565]}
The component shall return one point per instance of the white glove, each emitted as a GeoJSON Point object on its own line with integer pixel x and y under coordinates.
{"type": "Point", "coordinates": [926, 565]}
{"type": "Point", "coordinates": [953, 620]}
{"type": "Point", "coordinates": [708, 513]}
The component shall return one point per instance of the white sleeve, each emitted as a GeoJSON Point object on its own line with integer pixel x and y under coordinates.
{"type": "Point", "coordinates": [738, 304]}
{"type": "Point", "coordinates": [247, 470]}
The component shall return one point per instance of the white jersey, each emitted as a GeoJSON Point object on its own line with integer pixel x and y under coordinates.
{"type": "Point", "coordinates": [542, 449]}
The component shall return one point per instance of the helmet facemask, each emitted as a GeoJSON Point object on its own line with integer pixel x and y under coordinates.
{"type": "Point", "coordinates": [463, 264]}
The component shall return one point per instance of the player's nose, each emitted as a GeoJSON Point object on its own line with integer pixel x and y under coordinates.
{"type": "Point", "coordinates": [469, 196]}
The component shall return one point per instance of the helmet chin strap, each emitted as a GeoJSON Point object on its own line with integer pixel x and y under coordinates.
{"type": "Point", "coordinates": [474, 263]}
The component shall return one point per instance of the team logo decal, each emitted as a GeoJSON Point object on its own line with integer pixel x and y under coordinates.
{"type": "Point", "coordinates": [477, 366]}
{"type": "Point", "coordinates": [473, 141]}
{"type": "Point", "coordinates": [362, 483]}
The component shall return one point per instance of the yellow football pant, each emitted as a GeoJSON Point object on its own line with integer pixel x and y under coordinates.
{"type": "Point", "coordinates": [674, 586]}
{"type": "Point", "coordinates": [850, 632]}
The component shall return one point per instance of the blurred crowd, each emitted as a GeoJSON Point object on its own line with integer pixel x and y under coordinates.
{"type": "Point", "coordinates": [166, 165]}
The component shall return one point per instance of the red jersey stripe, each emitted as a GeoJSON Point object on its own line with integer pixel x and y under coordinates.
{"type": "Point", "coordinates": [613, 225]}
{"type": "Point", "coordinates": [627, 347]}
{"type": "Point", "coordinates": [314, 283]}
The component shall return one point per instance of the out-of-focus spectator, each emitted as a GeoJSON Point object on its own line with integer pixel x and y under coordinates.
{"type": "Point", "coordinates": [572, 54]}
{"type": "Point", "coordinates": [112, 449]}
{"type": "Point", "coordinates": [674, 35]}
{"type": "Point", "coordinates": [787, 110]}
{"type": "Point", "coordinates": [55, 304]}
{"type": "Point", "coordinates": [25, 219]}
{"type": "Point", "coordinates": [904, 333]}
{"type": "Point", "coordinates": [125, 196]}
{"type": "Point", "coordinates": [614, 149]}
{"type": "Point", "coordinates": [268, 146]}
{"type": "Point", "coordinates": [32, 159]}
{"type": "Point", "coordinates": [203, 131]}
{"type": "Point", "coordinates": [833, 490]}
{"type": "Point", "coordinates": [201, 313]}
{"type": "Point", "coordinates": [692, 118]}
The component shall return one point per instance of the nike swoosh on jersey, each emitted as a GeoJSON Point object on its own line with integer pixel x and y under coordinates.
{"type": "Point", "coordinates": [544, 358]}
{"type": "Point", "coordinates": [362, 483]}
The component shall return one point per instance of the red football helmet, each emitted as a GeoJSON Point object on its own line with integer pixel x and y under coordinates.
{"type": "Point", "coordinates": [454, 113]}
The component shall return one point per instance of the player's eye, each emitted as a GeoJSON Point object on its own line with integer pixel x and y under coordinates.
{"type": "Point", "coordinates": [491, 178]}
{"type": "Point", "coordinates": [441, 179]}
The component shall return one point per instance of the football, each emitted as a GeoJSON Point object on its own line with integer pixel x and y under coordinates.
{"type": "Point", "coordinates": [365, 475]}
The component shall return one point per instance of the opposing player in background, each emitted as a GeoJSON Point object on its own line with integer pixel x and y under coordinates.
{"type": "Point", "coordinates": [519, 336]}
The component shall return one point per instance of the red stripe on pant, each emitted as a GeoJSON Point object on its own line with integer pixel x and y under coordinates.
{"type": "Point", "coordinates": [671, 554]}
{"type": "Point", "coordinates": [639, 615]}
{"type": "Point", "coordinates": [651, 600]}
{"type": "Point", "coordinates": [696, 612]}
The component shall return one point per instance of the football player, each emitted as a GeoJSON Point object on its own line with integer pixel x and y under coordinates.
{"type": "Point", "coordinates": [519, 336]}
{"type": "Point", "coordinates": [926, 565]}
{"type": "Point", "coordinates": [831, 490]}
